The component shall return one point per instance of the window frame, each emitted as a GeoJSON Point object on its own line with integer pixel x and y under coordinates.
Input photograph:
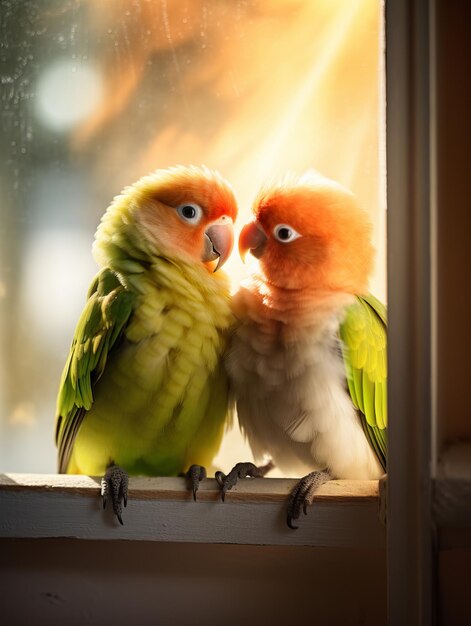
{"type": "Point", "coordinates": [422, 496]}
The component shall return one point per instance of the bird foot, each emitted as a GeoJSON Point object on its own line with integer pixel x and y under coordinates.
{"type": "Point", "coordinates": [194, 476]}
{"type": "Point", "coordinates": [114, 485]}
{"type": "Point", "coordinates": [240, 470]}
{"type": "Point", "coordinates": [303, 494]}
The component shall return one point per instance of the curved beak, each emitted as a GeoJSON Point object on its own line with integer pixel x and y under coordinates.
{"type": "Point", "coordinates": [252, 238]}
{"type": "Point", "coordinates": [218, 243]}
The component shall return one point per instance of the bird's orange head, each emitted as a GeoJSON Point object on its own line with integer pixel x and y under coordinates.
{"type": "Point", "coordinates": [310, 233]}
{"type": "Point", "coordinates": [183, 213]}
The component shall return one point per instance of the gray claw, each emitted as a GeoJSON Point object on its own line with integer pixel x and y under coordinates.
{"type": "Point", "coordinates": [114, 484]}
{"type": "Point", "coordinates": [220, 478]}
{"type": "Point", "coordinates": [240, 470]}
{"type": "Point", "coordinates": [194, 476]}
{"type": "Point", "coordinates": [302, 495]}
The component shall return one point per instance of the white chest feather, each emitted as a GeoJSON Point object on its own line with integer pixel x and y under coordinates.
{"type": "Point", "coordinates": [293, 402]}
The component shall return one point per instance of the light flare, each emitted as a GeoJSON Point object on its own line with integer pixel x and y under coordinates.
{"type": "Point", "coordinates": [250, 89]}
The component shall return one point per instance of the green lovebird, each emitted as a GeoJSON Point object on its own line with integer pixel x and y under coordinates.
{"type": "Point", "coordinates": [144, 390]}
{"type": "Point", "coordinates": [308, 360]}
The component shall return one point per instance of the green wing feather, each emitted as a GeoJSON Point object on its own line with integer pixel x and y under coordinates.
{"type": "Point", "coordinates": [98, 331]}
{"type": "Point", "coordinates": [364, 342]}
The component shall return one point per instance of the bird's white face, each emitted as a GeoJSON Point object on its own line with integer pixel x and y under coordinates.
{"type": "Point", "coordinates": [192, 218]}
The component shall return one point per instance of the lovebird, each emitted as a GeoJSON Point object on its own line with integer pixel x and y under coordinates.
{"type": "Point", "coordinates": [307, 363]}
{"type": "Point", "coordinates": [144, 390]}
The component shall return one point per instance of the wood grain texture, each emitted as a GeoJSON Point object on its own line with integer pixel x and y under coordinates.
{"type": "Point", "coordinates": [344, 514]}
{"type": "Point", "coordinates": [169, 488]}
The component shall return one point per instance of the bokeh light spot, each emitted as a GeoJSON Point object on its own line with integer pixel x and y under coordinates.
{"type": "Point", "coordinates": [67, 93]}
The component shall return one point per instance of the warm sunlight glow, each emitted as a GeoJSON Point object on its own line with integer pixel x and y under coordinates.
{"type": "Point", "coordinates": [253, 90]}
{"type": "Point", "coordinates": [298, 85]}
{"type": "Point", "coordinates": [100, 93]}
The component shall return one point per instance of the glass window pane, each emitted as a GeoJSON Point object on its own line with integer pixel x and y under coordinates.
{"type": "Point", "coordinates": [96, 94]}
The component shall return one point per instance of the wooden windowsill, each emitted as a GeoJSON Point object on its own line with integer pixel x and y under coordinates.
{"type": "Point", "coordinates": [343, 514]}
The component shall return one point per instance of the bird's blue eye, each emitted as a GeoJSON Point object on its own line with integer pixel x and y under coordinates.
{"type": "Point", "coordinates": [285, 233]}
{"type": "Point", "coordinates": [190, 212]}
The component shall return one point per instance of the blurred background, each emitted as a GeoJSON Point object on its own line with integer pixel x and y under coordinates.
{"type": "Point", "coordinates": [96, 94]}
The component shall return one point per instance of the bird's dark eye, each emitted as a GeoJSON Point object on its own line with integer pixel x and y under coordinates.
{"type": "Point", "coordinates": [190, 212]}
{"type": "Point", "coordinates": [285, 233]}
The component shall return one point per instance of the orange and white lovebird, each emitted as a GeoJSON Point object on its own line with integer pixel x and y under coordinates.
{"type": "Point", "coordinates": [307, 362]}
